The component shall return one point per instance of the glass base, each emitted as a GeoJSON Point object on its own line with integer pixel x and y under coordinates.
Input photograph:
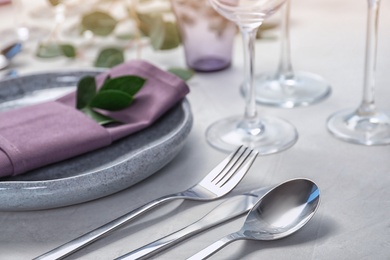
{"type": "Point", "coordinates": [273, 135]}
{"type": "Point", "coordinates": [209, 64]}
{"type": "Point", "coordinates": [349, 126]}
{"type": "Point", "coordinates": [303, 89]}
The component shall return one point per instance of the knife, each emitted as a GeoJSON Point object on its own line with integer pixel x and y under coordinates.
{"type": "Point", "coordinates": [229, 209]}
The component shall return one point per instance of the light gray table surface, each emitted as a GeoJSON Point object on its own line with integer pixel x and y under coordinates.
{"type": "Point", "coordinates": [353, 221]}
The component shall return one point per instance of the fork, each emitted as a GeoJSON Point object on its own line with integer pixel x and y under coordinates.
{"type": "Point", "coordinates": [217, 183]}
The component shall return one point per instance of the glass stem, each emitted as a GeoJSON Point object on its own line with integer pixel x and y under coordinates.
{"type": "Point", "coordinates": [285, 69]}
{"type": "Point", "coordinates": [249, 37]}
{"type": "Point", "coordinates": [251, 123]}
{"type": "Point", "coordinates": [367, 107]}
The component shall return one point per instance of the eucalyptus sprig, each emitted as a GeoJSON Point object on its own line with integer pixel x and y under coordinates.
{"type": "Point", "coordinates": [52, 50]}
{"type": "Point", "coordinates": [115, 94]}
{"type": "Point", "coordinates": [109, 57]}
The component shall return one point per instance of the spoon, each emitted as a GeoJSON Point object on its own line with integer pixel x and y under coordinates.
{"type": "Point", "coordinates": [8, 53]}
{"type": "Point", "coordinates": [280, 212]}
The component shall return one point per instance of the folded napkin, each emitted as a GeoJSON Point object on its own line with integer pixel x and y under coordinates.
{"type": "Point", "coordinates": [38, 135]}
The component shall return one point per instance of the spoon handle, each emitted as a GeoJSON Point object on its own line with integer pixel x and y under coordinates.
{"type": "Point", "coordinates": [216, 246]}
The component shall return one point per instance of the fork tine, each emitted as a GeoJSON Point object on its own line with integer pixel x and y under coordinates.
{"type": "Point", "coordinates": [240, 168]}
{"type": "Point", "coordinates": [221, 166]}
{"type": "Point", "coordinates": [233, 159]}
{"type": "Point", "coordinates": [236, 165]}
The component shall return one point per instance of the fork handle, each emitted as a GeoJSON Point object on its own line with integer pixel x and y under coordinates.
{"type": "Point", "coordinates": [90, 237]}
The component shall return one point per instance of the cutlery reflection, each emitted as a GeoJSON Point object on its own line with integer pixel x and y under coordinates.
{"type": "Point", "coordinates": [229, 209]}
{"type": "Point", "coordinates": [217, 183]}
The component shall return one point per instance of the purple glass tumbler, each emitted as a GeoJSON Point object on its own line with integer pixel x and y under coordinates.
{"type": "Point", "coordinates": [207, 37]}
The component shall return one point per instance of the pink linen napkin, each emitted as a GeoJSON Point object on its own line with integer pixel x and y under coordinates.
{"type": "Point", "coordinates": [4, 2]}
{"type": "Point", "coordinates": [50, 132]}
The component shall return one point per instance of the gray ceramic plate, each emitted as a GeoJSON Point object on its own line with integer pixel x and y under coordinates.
{"type": "Point", "coordinates": [98, 173]}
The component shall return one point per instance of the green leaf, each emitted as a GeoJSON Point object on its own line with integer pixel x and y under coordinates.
{"type": "Point", "coordinates": [68, 50]}
{"type": "Point", "coordinates": [144, 23]}
{"type": "Point", "coordinates": [128, 84]}
{"type": "Point", "coordinates": [54, 2]}
{"type": "Point", "coordinates": [115, 94]}
{"type": "Point", "coordinates": [184, 74]}
{"type": "Point", "coordinates": [108, 77]}
{"type": "Point", "coordinates": [109, 58]}
{"type": "Point", "coordinates": [125, 36]}
{"type": "Point", "coordinates": [146, 11]}
{"type": "Point", "coordinates": [99, 118]}
{"type": "Point", "coordinates": [111, 99]}
{"type": "Point", "coordinates": [100, 23]}
{"type": "Point", "coordinates": [50, 50]}
{"type": "Point", "coordinates": [86, 90]}
{"type": "Point", "coordinates": [164, 34]}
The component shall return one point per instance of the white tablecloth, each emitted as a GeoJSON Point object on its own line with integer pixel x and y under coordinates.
{"type": "Point", "coordinates": [327, 38]}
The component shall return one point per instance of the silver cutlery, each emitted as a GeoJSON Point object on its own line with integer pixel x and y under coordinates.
{"type": "Point", "coordinates": [217, 183]}
{"type": "Point", "coordinates": [279, 213]}
{"type": "Point", "coordinates": [229, 209]}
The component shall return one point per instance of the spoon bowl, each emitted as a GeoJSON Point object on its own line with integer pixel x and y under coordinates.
{"type": "Point", "coordinates": [279, 213]}
{"type": "Point", "coordinates": [283, 210]}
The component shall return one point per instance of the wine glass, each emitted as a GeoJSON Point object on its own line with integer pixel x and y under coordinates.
{"type": "Point", "coordinates": [365, 125]}
{"type": "Point", "coordinates": [265, 134]}
{"type": "Point", "coordinates": [288, 88]}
